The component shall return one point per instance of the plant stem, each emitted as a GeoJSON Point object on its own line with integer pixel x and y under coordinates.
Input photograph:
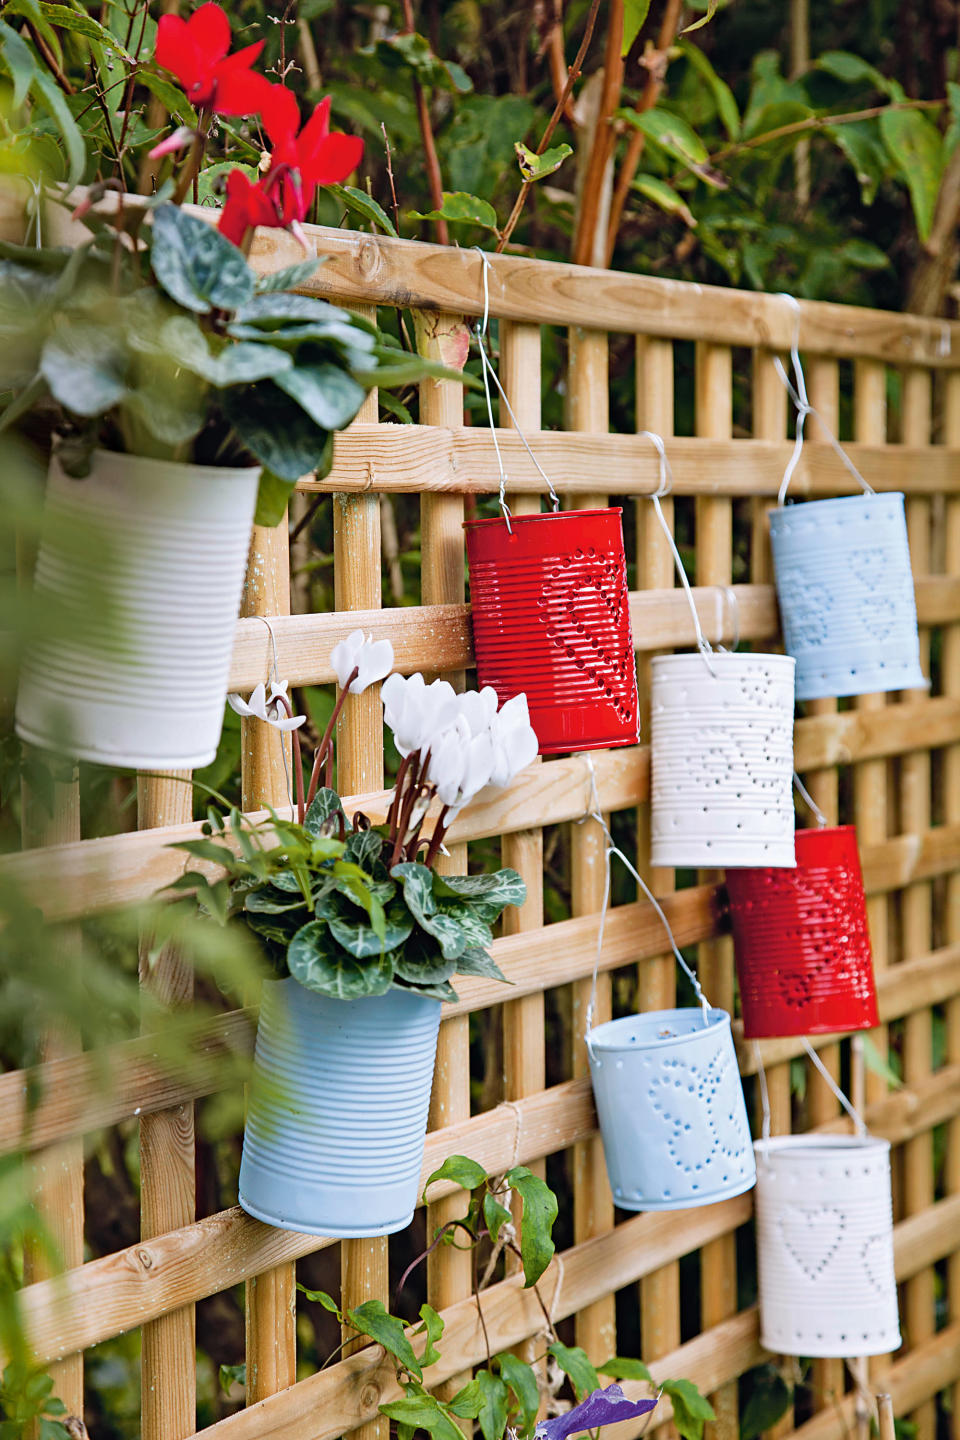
{"type": "Point", "coordinates": [394, 814]}
{"type": "Point", "coordinates": [436, 839]}
{"type": "Point", "coordinates": [651, 94]}
{"type": "Point", "coordinates": [552, 124]}
{"type": "Point", "coordinates": [327, 740]}
{"type": "Point", "coordinates": [586, 247]}
{"type": "Point", "coordinates": [820, 122]}
{"type": "Point", "coordinates": [431, 159]}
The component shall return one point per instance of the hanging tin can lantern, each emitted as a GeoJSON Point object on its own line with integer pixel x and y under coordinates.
{"type": "Point", "coordinates": [801, 941]}
{"type": "Point", "coordinates": [846, 595]}
{"type": "Point", "coordinates": [721, 746]}
{"type": "Point", "coordinates": [671, 1109]}
{"type": "Point", "coordinates": [825, 1246]}
{"type": "Point", "coordinates": [551, 618]}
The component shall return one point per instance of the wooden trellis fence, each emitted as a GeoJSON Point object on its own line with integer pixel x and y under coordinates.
{"type": "Point", "coordinates": [890, 763]}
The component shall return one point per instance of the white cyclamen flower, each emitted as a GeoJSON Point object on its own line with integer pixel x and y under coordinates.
{"type": "Point", "coordinates": [478, 707]}
{"type": "Point", "coordinates": [372, 659]}
{"type": "Point", "coordinates": [416, 712]}
{"type": "Point", "coordinates": [515, 743]}
{"type": "Point", "coordinates": [268, 708]}
{"type": "Point", "coordinates": [460, 765]}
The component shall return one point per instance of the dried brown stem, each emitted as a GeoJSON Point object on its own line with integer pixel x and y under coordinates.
{"type": "Point", "coordinates": [552, 124]}
{"type": "Point", "coordinates": [604, 138]}
{"type": "Point", "coordinates": [656, 74]}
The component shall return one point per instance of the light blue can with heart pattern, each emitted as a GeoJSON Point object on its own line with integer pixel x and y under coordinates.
{"type": "Point", "coordinates": [845, 587]}
{"type": "Point", "coordinates": [671, 1109]}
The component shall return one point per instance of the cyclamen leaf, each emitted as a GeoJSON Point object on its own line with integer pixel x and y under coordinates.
{"type": "Point", "coordinates": [504, 886]}
{"type": "Point", "coordinates": [273, 497]}
{"type": "Point", "coordinates": [539, 1213]}
{"type": "Point", "coordinates": [196, 265]}
{"type": "Point", "coordinates": [371, 1318]}
{"type": "Point", "coordinates": [278, 431]}
{"type": "Point", "coordinates": [324, 804]}
{"type": "Point", "coordinates": [475, 961]}
{"type": "Point", "coordinates": [463, 1171]}
{"type": "Point", "coordinates": [85, 369]}
{"type": "Point", "coordinates": [362, 941]}
{"type": "Point", "coordinates": [291, 275]}
{"type": "Point", "coordinates": [325, 391]}
{"type": "Point", "coordinates": [319, 964]}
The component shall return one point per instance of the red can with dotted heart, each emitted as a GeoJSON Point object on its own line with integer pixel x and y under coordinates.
{"type": "Point", "coordinates": [801, 941]}
{"type": "Point", "coordinates": [551, 618]}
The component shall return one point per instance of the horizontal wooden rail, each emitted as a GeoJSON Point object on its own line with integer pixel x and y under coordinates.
{"type": "Point", "coordinates": [81, 1093]}
{"type": "Point", "coordinates": [437, 637]}
{"type": "Point", "coordinates": [412, 459]}
{"type": "Point", "coordinates": [93, 875]}
{"type": "Point", "coordinates": [375, 270]}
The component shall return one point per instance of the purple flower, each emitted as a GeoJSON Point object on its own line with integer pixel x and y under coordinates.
{"type": "Point", "coordinates": [603, 1407]}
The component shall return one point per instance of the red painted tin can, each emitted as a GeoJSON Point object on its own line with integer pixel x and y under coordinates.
{"type": "Point", "coordinates": [801, 941]}
{"type": "Point", "coordinates": [551, 618]}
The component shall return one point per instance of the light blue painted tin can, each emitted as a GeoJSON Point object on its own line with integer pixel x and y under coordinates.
{"type": "Point", "coordinates": [337, 1115]}
{"type": "Point", "coordinates": [671, 1109]}
{"type": "Point", "coordinates": [846, 595]}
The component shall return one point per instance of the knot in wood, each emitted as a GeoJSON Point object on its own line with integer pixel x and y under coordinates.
{"type": "Point", "coordinates": [368, 259]}
{"type": "Point", "coordinates": [145, 1258]}
{"type": "Point", "coordinates": [370, 1397]}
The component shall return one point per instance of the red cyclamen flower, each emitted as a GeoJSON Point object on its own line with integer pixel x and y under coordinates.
{"type": "Point", "coordinates": [248, 206]}
{"type": "Point", "coordinates": [195, 51]}
{"type": "Point", "coordinates": [301, 162]}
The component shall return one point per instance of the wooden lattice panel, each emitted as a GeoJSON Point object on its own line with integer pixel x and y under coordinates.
{"type": "Point", "coordinates": [889, 763]}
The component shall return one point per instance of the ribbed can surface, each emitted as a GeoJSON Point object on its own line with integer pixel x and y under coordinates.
{"type": "Point", "coordinates": [825, 1246]}
{"type": "Point", "coordinates": [551, 618]}
{"type": "Point", "coordinates": [337, 1111]}
{"type": "Point", "coordinates": [846, 595]}
{"type": "Point", "coordinates": [801, 941]}
{"type": "Point", "coordinates": [144, 683]}
{"type": "Point", "coordinates": [721, 756]}
{"type": "Point", "coordinates": [671, 1109]}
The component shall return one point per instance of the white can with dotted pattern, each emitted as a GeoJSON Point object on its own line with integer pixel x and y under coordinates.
{"type": "Point", "coordinates": [825, 1246]}
{"type": "Point", "coordinates": [721, 746]}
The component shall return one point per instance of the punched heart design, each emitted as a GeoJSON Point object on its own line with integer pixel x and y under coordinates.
{"type": "Point", "coordinates": [877, 1257]}
{"type": "Point", "coordinates": [811, 1236]}
{"type": "Point", "coordinates": [584, 607]}
{"type": "Point", "coordinates": [701, 1112]}
{"type": "Point", "coordinates": [805, 609]}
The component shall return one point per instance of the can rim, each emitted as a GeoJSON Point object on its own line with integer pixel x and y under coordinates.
{"type": "Point", "coordinates": [716, 1020]}
{"type": "Point", "coordinates": [543, 515]}
{"type": "Point", "coordinates": [800, 1147]}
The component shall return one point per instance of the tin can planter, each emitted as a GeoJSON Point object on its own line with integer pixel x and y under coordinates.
{"type": "Point", "coordinates": [845, 587]}
{"type": "Point", "coordinates": [141, 680]}
{"type": "Point", "coordinates": [551, 618]}
{"type": "Point", "coordinates": [801, 941]}
{"type": "Point", "coordinates": [825, 1246]}
{"type": "Point", "coordinates": [337, 1114]}
{"type": "Point", "coordinates": [721, 747]}
{"type": "Point", "coordinates": [671, 1109]}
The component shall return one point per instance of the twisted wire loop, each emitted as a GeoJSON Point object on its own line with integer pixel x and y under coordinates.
{"type": "Point", "coordinates": [798, 394]}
